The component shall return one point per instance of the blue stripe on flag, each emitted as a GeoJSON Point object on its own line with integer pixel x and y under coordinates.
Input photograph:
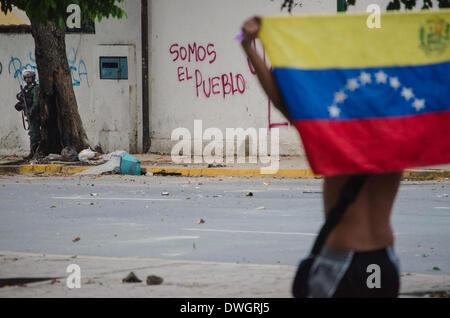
{"type": "Point", "coordinates": [365, 93]}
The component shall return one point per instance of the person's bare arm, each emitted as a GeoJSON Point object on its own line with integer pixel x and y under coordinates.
{"type": "Point", "coordinates": [251, 28]}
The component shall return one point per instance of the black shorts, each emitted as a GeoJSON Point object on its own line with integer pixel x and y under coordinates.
{"type": "Point", "coordinates": [338, 274]}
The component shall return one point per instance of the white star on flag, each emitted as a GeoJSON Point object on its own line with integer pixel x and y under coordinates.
{"type": "Point", "coordinates": [419, 104]}
{"type": "Point", "coordinates": [381, 77]}
{"type": "Point", "coordinates": [394, 82]}
{"type": "Point", "coordinates": [365, 78]}
{"type": "Point", "coordinates": [352, 84]}
{"type": "Point", "coordinates": [407, 93]}
{"type": "Point", "coordinates": [334, 111]}
{"type": "Point", "coordinates": [339, 97]}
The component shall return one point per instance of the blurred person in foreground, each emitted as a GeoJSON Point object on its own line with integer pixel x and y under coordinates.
{"type": "Point", "coordinates": [363, 236]}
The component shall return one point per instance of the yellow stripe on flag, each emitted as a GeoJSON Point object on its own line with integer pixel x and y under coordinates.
{"type": "Point", "coordinates": [345, 40]}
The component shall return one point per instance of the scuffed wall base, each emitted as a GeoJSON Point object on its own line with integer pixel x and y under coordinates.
{"type": "Point", "coordinates": [165, 145]}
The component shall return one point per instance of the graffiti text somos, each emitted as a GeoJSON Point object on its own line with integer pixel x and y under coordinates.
{"type": "Point", "coordinates": [192, 52]}
{"type": "Point", "coordinates": [225, 84]}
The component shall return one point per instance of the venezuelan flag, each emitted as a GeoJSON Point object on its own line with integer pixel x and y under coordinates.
{"type": "Point", "coordinates": [365, 100]}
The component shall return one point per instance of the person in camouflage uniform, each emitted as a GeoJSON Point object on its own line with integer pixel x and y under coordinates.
{"type": "Point", "coordinates": [31, 109]}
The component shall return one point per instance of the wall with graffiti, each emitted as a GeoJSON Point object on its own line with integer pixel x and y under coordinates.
{"type": "Point", "coordinates": [77, 67]}
{"type": "Point", "coordinates": [199, 70]}
{"type": "Point", "coordinates": [107, 108]}
{"type": "Point", "coordinates": [14, 58]}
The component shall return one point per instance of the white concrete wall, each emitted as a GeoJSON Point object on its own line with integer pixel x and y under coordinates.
{"type": "Point", "coordinates": [174, 100]}
{"type": "Point", "coordinates": [13, 138]}
{"type": "Point", "coordinates": [110, 109]}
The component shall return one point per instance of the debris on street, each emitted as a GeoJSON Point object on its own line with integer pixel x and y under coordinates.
{"type": "Point", "coordinates": [112, 165]}
{"type": "Point", "coordinates": [86, 154]}
{"type": "Point", "coordinates": [131, 278]}
{"type": "Point", "coordinates": [130, 165]}
{"type": "Point", "coordinates": [154, 280]}
{"type": "Point", "coordinates": [54, 157]}
{"type": "Point", "coordinates": [69, 154]}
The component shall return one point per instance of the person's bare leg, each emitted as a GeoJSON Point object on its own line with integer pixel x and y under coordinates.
{"type": "Point", "coordinates": [366, 224]}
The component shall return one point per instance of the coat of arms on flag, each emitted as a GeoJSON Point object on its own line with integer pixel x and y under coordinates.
{"type": "Point", "coordinates": [365, 100]}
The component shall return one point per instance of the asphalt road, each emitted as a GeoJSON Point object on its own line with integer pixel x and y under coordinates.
{"type": "Point", "coordinates": [159, 217]}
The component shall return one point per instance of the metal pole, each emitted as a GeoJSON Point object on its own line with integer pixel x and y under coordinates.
{"type": "Point", "coordinates": [145, 82]}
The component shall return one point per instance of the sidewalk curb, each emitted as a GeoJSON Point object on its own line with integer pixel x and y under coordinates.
{"type": "Point", "coordinates": [410, 175]}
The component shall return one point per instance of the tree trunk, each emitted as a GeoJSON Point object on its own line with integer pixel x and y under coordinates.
{"type": "Point", "coordinates": [61, 124]}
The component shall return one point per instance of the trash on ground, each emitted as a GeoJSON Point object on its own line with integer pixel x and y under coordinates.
{"type": "Point", "coordinates": [112, 165]}
{"type": "Point", "coordinates": [249, 194]}
{"type": "Point", "coordinates": [86, 154]}
{"type": "Point", "coordinates": [54, 157]}
{"type": "Point", "coordinates": [154, 280]}
{"type": "Point", "coordinates": [76, 239]}
{"type": "Point", "coordinates": [216, 165]}
{"type": "Point", "coordinates": [69, 154]}
{"type": "Point", "coordinates": [131, 278]}
{"type": "Point", "coordinates": [164, 193]}
{"type": "Point", "coordinates": [261, 208]}
{"type": "Point", "coordinates": [164, 173]}
{"type": "Point", "coordinates": [201, 221]}
{"type": "Point", "coordinates": [130, 165]}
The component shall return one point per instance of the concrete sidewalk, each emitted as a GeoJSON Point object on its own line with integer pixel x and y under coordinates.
{"type": "Point", "coordinates": [289, 167]}
{"type": "Point", "coordinates": [102, 277]}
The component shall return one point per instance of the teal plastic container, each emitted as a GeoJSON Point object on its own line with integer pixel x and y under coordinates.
{"type": "Point", "coordinates": [130, 165]}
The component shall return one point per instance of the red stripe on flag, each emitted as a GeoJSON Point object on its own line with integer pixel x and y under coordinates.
{"type": "Point", "coordinates": [376, 145]}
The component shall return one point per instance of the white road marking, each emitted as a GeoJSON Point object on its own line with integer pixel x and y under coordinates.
{"type": "Point", "coordinates": [442, 207]}
{"type": "Point", "coordinates": [173, 254]}
{"type": "Point", "coordinates": [162, 238]}
{"type": "Point", "coordinates": [256, 191]}
{"type": "Point", "coordinates": [115, 199]}
{"type": "Point", "coordinates": [260, 232]}
{"type": "Point", "coordinates": [170, 238]}
{"type": "Point", "coordinates": [253, 232]}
